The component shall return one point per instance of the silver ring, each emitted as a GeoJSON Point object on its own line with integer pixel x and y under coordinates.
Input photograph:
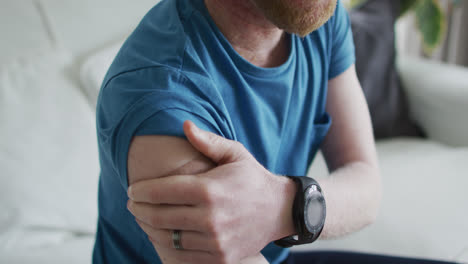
{"type": "Point", "coordinates": [176, 237]}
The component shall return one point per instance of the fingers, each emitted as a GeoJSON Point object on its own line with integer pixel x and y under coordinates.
{"type": "Point", "coordinates": [217, 148]}
{"type": "Point", "coordinates": [257, 259]}
{"type": "Point", "coordinates": [171, 255]}
{"type": "Point", "coordinates": [175, 190]}
{"type": "Point", "coordinates": [169, 217]}
{"type": "Point", "coordinates": [190, 240]}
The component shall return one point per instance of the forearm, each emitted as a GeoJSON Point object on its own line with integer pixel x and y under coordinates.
{"type": "Point", "coordinates": [352, 191]}
{"type": "Point", "coordinates": [353, 195]}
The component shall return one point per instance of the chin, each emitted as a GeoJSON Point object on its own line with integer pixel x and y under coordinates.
{"type": "Point", "coordinates": [299, 17]}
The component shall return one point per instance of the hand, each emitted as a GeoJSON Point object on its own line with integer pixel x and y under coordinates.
{"type": "Point", "coordinates": [226, 214]}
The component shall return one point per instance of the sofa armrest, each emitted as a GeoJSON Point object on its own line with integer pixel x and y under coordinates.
{"type": "Point", "coordinates": [438, 98]}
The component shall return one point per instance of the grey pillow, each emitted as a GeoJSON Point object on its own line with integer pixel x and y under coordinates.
{"type": "Point", "coordinates": [374, 36]}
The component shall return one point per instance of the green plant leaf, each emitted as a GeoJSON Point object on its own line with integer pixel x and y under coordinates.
{"type": "Point", "coordinates": [431, 22]}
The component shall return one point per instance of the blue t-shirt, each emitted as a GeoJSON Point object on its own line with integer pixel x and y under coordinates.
{"type": "Point", "coordinates": [178, 66]}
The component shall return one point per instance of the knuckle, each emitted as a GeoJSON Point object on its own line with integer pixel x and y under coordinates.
{"type": "Point", "coordinates": [218, 247]}
{"type": "Point", "coordinates": [212, 226]}
{"type": "Point", "coordinates": [206, 194]}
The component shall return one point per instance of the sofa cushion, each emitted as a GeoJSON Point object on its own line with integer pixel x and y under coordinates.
{"type": "Point", "coordinates": [21, 24]}
{"type": "Point", "coordinates": [438, 96]}
{"type": "Point", "coordinates": [424, 199]}
{"type": "Point", "coordinates": [106, 21]}
{"type": "Point", "coordinates": [48, 150]}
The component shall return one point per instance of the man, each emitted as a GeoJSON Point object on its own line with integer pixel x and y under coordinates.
{"type": "Point", "coordinates": [260, 81]}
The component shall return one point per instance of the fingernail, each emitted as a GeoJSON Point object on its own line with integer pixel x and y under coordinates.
{"type": "Point", "coordinates": [195, 128]}
{"type": "Point", "coordinates": [130, 192]}
{"type": "Point", "coordinates": [129, 204]}
{"type": "Point", "coordinates": [200, 133]}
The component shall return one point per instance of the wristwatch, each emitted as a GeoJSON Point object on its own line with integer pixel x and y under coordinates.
{"type": "Point", "coordinates": [309, 212]}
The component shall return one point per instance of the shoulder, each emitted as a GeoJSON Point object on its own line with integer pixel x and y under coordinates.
{"type": "Point", "coordinates": [340, 18]}
{"type": "Point", "coordinates": [159, 39]}
{"type": "Point", "coordinates": [155, 87]}
{"type": "Point", "coordinates": [135, 96]}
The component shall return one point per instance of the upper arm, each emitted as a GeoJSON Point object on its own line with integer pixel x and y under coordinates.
{"type": "Point", "coordinates": [350, 138]}
{"type": "Point", "coordinates": [342, 45]}
{"type": "Point", "coordinates": [149, 101]}
{"type": "Point", "coordinates": [151, 157]}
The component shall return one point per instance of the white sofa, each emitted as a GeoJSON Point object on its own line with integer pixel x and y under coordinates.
{"type": "Point", "coordinates": [424, 211]}
{"type": "Point", "coordinates": [52, 58]}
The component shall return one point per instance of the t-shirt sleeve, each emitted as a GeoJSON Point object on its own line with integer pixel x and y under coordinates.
{"type": "Point", "coordinates": [169, 122]}
{"type": "Point", "coordinates": [146, 102]}
{"type": "Point", "coordinates": [342, 47]}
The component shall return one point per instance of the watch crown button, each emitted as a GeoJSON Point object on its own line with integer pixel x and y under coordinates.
{"type": "Point", "coordinates": [312, 189]}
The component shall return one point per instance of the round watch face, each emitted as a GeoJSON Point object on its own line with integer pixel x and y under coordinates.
{"type": "Point", "coordinates": [314, 210]}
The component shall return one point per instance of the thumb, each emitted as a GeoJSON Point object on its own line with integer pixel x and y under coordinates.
{"type": "Point", "coordinates": [216, 148]}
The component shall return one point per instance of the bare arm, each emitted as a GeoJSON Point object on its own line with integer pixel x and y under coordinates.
{"type": "Point", "coordinates": [152, 157]}
{"type": "Point", "coordinates": [353, 189]}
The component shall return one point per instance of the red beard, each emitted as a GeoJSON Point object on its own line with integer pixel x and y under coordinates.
{"type": "Point", "coordinates": [299, 17]}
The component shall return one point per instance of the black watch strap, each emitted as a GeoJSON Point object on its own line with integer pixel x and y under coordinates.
{"type": "Point", "coordinates": [304, 236]}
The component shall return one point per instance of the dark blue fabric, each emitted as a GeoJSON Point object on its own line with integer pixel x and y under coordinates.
{"type": "Point", "coordinates": [340, 257]}
{"type": "Point", "coordinates": [175, 66]}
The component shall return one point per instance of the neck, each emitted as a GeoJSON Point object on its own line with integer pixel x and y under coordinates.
{"type": "Point", "coordinates": [248, 31]}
